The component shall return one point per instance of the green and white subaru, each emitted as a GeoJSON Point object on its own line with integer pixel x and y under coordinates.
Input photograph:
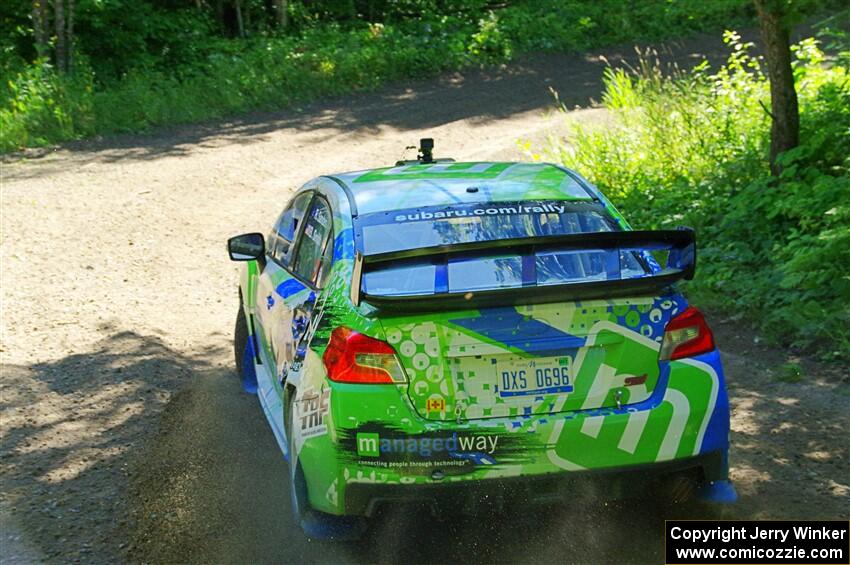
{"type": "Point", "coordinates": [459, 335]}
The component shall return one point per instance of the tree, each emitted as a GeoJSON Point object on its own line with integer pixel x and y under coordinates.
{"type": "Point", "coordinates": [784, 111]}
{"type": "Point", "coordinates": [240, 26]}
{"type": "Point", "coordinates": [39, 26]}
{"type": "Point", "coordinates": [63, 31]}
{"type": "Point", "coordinates": [281, 13]}
{"type": "Point", "coordinates": [69, 53]}
{"type": "Point", "coordinates": [59, 28]}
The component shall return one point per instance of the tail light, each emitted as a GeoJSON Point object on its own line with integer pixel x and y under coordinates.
{"type": "Point", "coordinates": [352, 357]}
{"type": "Point", "coordinates": [686, 335]}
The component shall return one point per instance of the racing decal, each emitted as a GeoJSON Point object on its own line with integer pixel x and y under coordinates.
{"type": "Point", "coordinates": [289, 287]}
{"type": "Point", "coordinates": [435, 404]}
{"type": "Point", "coordinates": [414, 186]}
{"type": "Point", "coordinates": [462, 211]}
{"type": "Point", "coordinates": [332, 494]}
{"type": "Point", "coordinates": [383, 446]}
{"type": "Point", "coordinates": [674, 428]}
{"type": "Point", "coordinates": [536, 359]}
{"type": "Point", "coordinates": [478, 171]}
{"type": "Point", "coordinates": [312, 411]}
{"type": "Point", "coordinates": [344, 245]}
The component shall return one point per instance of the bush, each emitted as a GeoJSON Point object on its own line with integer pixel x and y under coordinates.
{"type": "Point", "coordinates": [42, 107]}
{"type": "Point", "coordinates": [691, 149]}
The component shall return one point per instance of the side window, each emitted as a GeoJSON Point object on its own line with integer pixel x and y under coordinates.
{"type": "Point", "coordinates": [286, 227]}
{"type": "Point", "coordinates": [311, 257]}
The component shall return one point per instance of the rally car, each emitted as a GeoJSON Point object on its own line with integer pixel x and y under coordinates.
{"type": "Point", "coordinates": [462, 335]}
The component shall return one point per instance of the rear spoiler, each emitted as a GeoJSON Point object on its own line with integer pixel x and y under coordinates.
{"type": "Point", "coordinates": [681, 264]}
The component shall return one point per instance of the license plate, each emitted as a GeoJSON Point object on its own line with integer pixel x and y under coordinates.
{"type": "Point", "coordinates": [548, 375]}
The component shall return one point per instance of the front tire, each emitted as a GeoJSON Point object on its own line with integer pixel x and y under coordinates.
{"type": "Point", "coordinates": [316, 525]}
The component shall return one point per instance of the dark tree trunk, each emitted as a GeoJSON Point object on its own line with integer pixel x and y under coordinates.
{"type": "Point", "coordinates": [785, 113]}
{"type": "Point", "coordinates": [69, 55]}
{"type": "Point", "coordinates": [239, 24]}
{"type": "Point", "coordinates": [39, 27]}
{"type": "Point", "coordinates": [59, 30]}
{"type": "Point", "coordinates": [281, 13]}
{"type": "Point", "coordinates": [219, 15]}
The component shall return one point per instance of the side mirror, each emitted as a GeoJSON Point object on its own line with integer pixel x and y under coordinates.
{"type": "Point", "coordinates": [246, 247]}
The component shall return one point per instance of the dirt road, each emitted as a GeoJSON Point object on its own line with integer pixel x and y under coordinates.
{"type": "Point", "coordinates": [124, 434]}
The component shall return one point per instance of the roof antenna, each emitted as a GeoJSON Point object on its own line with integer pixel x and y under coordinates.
{"type": "Point", "coordinates": [426, 150]}
{"type": "Point", "coordinates": [401, 161]}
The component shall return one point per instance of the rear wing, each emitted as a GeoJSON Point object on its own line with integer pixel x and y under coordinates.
{"type": "Point", "coordinates": [680, 245]}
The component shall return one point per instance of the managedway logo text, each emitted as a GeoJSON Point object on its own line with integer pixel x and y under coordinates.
{"type": "Point", "coordinates": [373, 445]}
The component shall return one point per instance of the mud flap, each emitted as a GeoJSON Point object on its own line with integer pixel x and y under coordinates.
{"type": "Point", "coordinates": [717, 492]}
{"type": "Point", "coordinates": [249, 373]}
{"type": "Point", "coordinates": [319, 525]}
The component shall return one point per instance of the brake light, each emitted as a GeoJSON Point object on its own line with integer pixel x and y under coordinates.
{"type": "Point", "coordinates": [686, 335]}
{"type": "Point", "coordinates": [352, 357]}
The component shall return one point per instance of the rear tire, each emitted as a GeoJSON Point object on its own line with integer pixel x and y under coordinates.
{"type": "Point", "coordinates": [243, 349]}
{"type": "Point", "coordinates": [316, 525]}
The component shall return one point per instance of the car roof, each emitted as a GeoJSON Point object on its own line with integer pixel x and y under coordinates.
{"type": "Point", "coordinates": [447, 183]}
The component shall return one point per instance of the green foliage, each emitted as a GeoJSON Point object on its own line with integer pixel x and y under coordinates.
{"type": "Point", "coordinates": [790, 373]}
{"type": "Point", "coordinates": [691, 149]}
{"type": "Point", "coordinates": [42, 107]}
{"type": "Point", "coordinates": [578, 25]}
{"type": "Point", "coordinates": [143, 63]}
{"type": "Point", "coordinates": [270, 73]}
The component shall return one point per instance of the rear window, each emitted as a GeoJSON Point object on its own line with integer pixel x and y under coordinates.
{"type": "Point", "coordinates": [426, 227]}
{"type": "Point", "coordinates": [413, 229]}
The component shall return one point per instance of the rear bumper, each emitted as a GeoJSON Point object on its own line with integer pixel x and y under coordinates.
{"type": "Point", "coordinates": [359, 464]}
{"type": "Point", "coordinates": [477, 496]}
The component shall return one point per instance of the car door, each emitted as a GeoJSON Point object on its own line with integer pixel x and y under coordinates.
{"type": "Point", "coordinates": [308, 266]}
{"type": "Point", "coordinates": [274, 288]}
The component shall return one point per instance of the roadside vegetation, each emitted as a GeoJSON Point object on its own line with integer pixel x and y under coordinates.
{"type": "Point", "coordinates": [75, 68]}
{"type": "Point", "coordinates": [691, 148]}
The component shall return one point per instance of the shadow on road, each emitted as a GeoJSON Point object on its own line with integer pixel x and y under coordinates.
{"type": "Point", "coordinates": [790, 447]}
{"type": "Point", "coordinates": [71, 431]}
{"type": "Point", "coordinates": [475, 94]}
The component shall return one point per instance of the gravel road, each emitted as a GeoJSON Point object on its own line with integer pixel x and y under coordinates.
{"type": "Point", "coordinates": [124, 434]}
